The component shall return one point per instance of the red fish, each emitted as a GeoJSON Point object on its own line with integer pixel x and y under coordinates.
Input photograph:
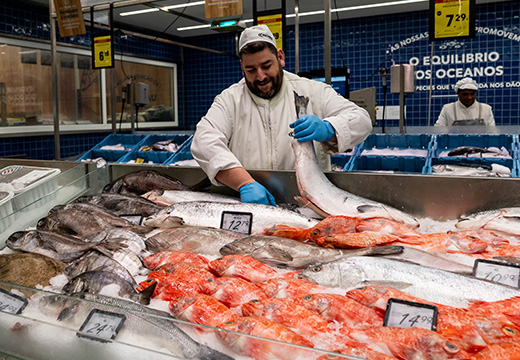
{"type": "Point", "coordinates": [335, 307]}
{"type": "Point", "coordinates": [170, 286]}
{"type": "Point", "coordinates": [154, 261]}
{"type": "Point", "coordinates": [246, 267]}
{"type": "Point", "coordinates": [261, 349]}
{"type": "Point", "coordinates": [289, 288]}
{"type": "Point", "coordinates": [508, 307]}
{"type": "Point", "coordinates": [201, 309]}
{"type": "Point", "coordinates": [232, 291]}
{"type": "Point", "coordinates": [387, 226]}
{"type": "Point", "coordinates": [185, 271]}
{"type": "Point", "coordinates": [356, 240]}
{"type": "Point", "coordinates": [502, 351]}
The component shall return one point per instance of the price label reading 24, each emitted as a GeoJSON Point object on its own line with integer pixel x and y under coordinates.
{"type": "Point", "coordinates": [507, 274]}
{"type": "Point", "coordinates": [237, 221]}
{"type": "Point", "coordinates": [101, 325]}
{"type": "Point", "coordinates": [405, 314]}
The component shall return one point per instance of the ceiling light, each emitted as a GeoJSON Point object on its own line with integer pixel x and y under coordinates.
{"type": "Point", "coordinates": [144, 11]}
{"type": "Point", "coordinates": [183, 5]}
{"type": "Point", "coordinates": [128, 13]}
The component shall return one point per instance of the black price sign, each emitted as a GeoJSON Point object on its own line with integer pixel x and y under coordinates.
{"type": "Point", "coordinates": [11, 303]}
{"type": "Point", "coordinates": [237, 221]}
{"type": "Point", "coordinates": [499, 272]}
{"type": "Point", "coordinates": [101, 325]}
{"type": "Point", "coordinates": [405, 314]}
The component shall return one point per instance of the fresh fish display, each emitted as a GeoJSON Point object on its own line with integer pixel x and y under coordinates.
{"type": "Point", "coordinates": [29, 269]}
{"type": "Point", "coordinates": [505, 220]}
{"type": "Point", "coordinates": [169, 197]}
{"type": "Point", "coordinates": [430, 284]}
{"type": "Point", "coordinates": [283, 252]}
{"type": "Point", "coordinates": [327, 199]}
{"type": "Point", "coordinates": [129, 260]}
{"type": "Point", "coordinates": [122, 204]}
{"type": "Point", "coordinates": [232, 291]}
{"type": "Point", "coordinates": [133, 241]}
{"type": "Point", "coordinates": [57, 246]}
{"type": "Point", "coordinates": [209, 214]}
{"type": "Point", "coordinates": [94, 282]}
{"type": "Point", "coordinates": [288, 288]}
{"type": "Point", "coordinates": [140, 182]}
{"type": "Point", "coordinates": [159, 326]}
{"type": "Point", "coordinates": [200, 240]}
{"type": "Point", "coordinates": [246, 267]}
{"type": "Point", "coordinates": [93, 260]}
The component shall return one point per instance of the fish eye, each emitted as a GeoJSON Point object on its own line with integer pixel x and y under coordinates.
{"type": "Point", "coordinates": [229, 322]}
{"type": "Point", "coordinates": [509, 331]}
{"type": "Point", "coordinates": [307, 297]}
{"type": "Point", "coordinates": [210, 280]}
{"type": "Point", "coordinates": [255, 301]}
{"type": "Point", "coordinates": [361, 288]}
{"type": "Point", "coordinates": [158, 269]}
{"type": "Point", "coordinates": [316, 268]}
{"type": "Point", "coordinates": [316, 232]}
{"type": "Point", "coordinates": [451, 348]}
{"type": "Point", "coordinates": [220, 258]}
{"type": "Point", "coordinates": [149, 281]}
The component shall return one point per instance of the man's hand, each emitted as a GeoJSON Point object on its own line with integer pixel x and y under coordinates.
{"type": "Point", "coordinates": [256, 194]}
{"type": "Point", "coordinates": [311, 127]}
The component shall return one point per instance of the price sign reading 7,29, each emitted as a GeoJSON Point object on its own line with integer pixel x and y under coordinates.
{"type": "Point", "coordinates": [452, 19]}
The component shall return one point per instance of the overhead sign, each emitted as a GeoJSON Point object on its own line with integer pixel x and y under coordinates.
{"type": "Point", "coordinates": [70, 17]}
{"type": "Point", "coordinates": [223, 8]}
{"type": "Point", "coordinates": [274, 22]}
{"type": "Point", "coordinates": [450, 19]}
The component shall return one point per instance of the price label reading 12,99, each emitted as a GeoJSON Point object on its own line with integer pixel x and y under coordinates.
{"type": "Point", "coordinates": [405, 314]}
{"type": "Point", "coordinates": [237, 221]}
{"type": "Point", "coordinates": [452, 19]}
{"type": "Point", "coordinates": [507, 274]}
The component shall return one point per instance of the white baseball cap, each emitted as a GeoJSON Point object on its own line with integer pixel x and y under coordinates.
{"type": "Point", "coordinates": [256, 33]}
{"type": "Point", "coordinates": [466, 84]}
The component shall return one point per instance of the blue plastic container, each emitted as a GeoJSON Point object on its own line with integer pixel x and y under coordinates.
{"type": "Point", "coordinates": [145, 157]}
{"type": "Point", "coordinates": [153, 156]}
{"type": "Point", "coordinates": [179, 139]}
{"type": "Point", "coordinates": [184, 153]}
{"type": "Point", "coordinates": [129, 141]}
{"type": "Point", "coordinates": [448, 142]}
{"type": "Point", "coordinates": [340, 161]}
{"type": "Point", "coordinates": [109, 155]}
{"type": "Point", "coordinates": [394, 164]}
{"type": "Point", "coordinates": [396, 141]}
{"type": "Point", "coordinates": [510, 163]}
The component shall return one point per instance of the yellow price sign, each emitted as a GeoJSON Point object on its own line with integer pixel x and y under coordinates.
{"type": "Point", "coordinates": [274, 22]}
{"type": "Point", "coordinates": [102, 52]}
{"type": "Point", "coordinates": [452, 19]}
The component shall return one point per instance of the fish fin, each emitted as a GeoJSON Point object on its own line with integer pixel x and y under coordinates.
{"type": "Point", "coordinates": [304, 202]}
{"type": "Point", "coordinates": [384, 250]}
{"type": "Point", "coordinates": [279, 254]}
{"type": "Point", "coordinates": [146, 294]}
{"type": "Point", "coordinates": [69, 311]}
{"type": "Point", "coordinates": [286, 231]}
{"type": "Point", "coordinates": [109, 247]}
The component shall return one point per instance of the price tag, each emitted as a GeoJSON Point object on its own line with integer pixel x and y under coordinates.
{"type": "Point", "coordinates": [101, 325]}
{"type": "Point", "coordinates": [507, 274]}
{"type": "Point", "coordinates": [11, 303]}
{"type": "Point", "coordinates": [102, 52]}
{"type": "Point", "coordinates": [274, 22]}
{"type": "Point", "coordinates": [237, 221]}
{"type": "Point", "coordinates": [404, 314]}
{"type": "Point", "coordinates": [133, 218]}
{"type": "Point", "coordinates": [452, 19]}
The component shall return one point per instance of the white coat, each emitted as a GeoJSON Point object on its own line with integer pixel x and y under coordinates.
{"type": "Point", "coordinates": [243, 130]}
{"type": "Point", "coordinates": [458, 111]}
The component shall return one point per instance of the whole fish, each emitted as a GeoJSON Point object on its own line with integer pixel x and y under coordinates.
{"type": "Point", "coordinates": [29, 269]}
{"type": "Point", "coordinates": [288, 288]}
{"type": "Point", "coordinates": [159, 326]}
{"type": "Point", "coordinates": [169, 197]}
{"type": "Point", "coordinates": [134, 242]}
{"type": "Point", "coordinates": [505, 220]}
{"type": "Point", "coordinates": [200, 240]}
{"type": "Point", "coordinates": [430, 284]}
{"type": "Point", "coordinates": [287, 253]}
{"type": "Point", "coordinates": [232, 291]}
{"type": "Point", "coordinates": [122, 204]}
{"type": "Point", "coordinates": [327, 199]}
{"type": "Point", "coordinates": [244, 266]}
{"type": "Point", "coordinates": [169, 286]}
{"type": "Point", "coordinates": [209, 214]}
{"type": "Point", "coordinates": [57, 246]}
{"type": "Point", "coordinates": [93, 260]}
{"type": "Point", "coordinates": [94, 282]}
{"type": "Point", "coordinates": [154, 261]}
{"type": "Point", "coordinates": [465, 150]}
{"type": "Point", "coordinates": [503, 351]}
{"type": "Point", "coordinates": [140, 182]}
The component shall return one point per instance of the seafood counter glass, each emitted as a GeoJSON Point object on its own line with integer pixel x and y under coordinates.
{"type": "Point", "coordinates": [141, 333]}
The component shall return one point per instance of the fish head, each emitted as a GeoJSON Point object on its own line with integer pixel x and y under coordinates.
{"type": "Point", "coordinates": [222, 264]}
{"type": "Point", "coordinates": [23, 240]}
{"type": "Point", "coordinates": [180, 304]}
{"type": "Point", "coordinates": [56, 209]}
{"type": "Point", "coordinates": [370, 295]}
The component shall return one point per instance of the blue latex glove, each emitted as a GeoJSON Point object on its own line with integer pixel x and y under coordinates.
{"type": "Point", "coordinates": [311, 127]}
{"type": "Point", "coordinates": [256, 194]}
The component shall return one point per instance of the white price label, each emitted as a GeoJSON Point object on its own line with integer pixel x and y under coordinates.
{"type": "Point", "coordinates": [507, 274]}
{"type": "Point", "coordinates": [237, 221]}
{"type": "Point", "coordinates": [101, 325]}
{"type": "Point", "coordinates": [134, 219]}
{"type": "Point", "coordinates": [11, 303]}
{"type": "Point", "coordinates": [405, 314]}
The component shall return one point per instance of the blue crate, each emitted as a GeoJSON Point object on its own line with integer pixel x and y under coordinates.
{"type": "Point", "coordinates": [396, 164]}
{"type": "Point", "coordinates": [109, 155]}
{"type": "Point", "coordinates": [340, 160]}
{"type": "Point", "coordinates": [184, 153]}
{"type": "Point", "coordinates": [447, 142]}
{"type": "Point", "coordinates": [152, 139]}
{"type": "Point", "coordinates": [156, 157]}
{"type": "Point", "coordinates": [129, 141]}
{"type": "Point", "coordinates": [399, 141]}
{"type": "Point", "coordinates": [510, 163]}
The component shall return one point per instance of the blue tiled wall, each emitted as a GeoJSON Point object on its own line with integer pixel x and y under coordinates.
{"type": "Point", "coordinates": [362, 44]}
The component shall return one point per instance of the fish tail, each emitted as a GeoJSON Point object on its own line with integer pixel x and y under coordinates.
{"type": "Point", "coordinates": [286, 231]}
{"type": "Point", "coordinates": [146, 294]}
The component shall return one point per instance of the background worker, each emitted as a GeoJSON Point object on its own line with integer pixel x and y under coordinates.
{"type": "Point", "coordinates": [248, 124]}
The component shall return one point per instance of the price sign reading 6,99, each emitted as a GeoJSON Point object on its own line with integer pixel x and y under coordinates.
{"type": "Point", "coordinates": [402, 313]}
{"type": "Point", "coordinates": [452, 19]}
{"type": "Point", "coordinates": [507, 274]}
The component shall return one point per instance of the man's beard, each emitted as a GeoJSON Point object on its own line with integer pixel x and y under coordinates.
{"type": "Point", "coordinates": [275, 81]}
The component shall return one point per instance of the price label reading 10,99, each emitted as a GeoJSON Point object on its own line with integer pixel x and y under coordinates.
{"type": "Point", "coordinates": [507, 274]}
{"type": "Point", "coordinates": [405, 314]}
{"type": "Point", "coordinates": [452, 19]}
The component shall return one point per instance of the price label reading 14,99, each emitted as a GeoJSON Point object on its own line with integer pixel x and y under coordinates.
{"type": "Point", "coordinates": [237, 221]}
{"type": "Point", "coordinates": [405, 314]}
{"type": "Point", "coordinates": [507, 274]}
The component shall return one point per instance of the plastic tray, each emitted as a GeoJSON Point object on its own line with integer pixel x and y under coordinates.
{"type": "Point", "coordinates": [447, 142]}
{"type": "Point", "coordinates": [109, 155]}
{"type": "Point", "coordinates": [394, 164]}
{"type": "Point", "coordinates": [474, 161]}
{"type": "Point", "coordinates": [340, 161]}
{"type": "Point", "coordinates": [397, 143]}
{"type": "Point", "coordinates": [29, 183]}
{"type": "Point", "coordinates": [129, 141]}
{"type": "Point", "coordinates": [184, 153]}
{"type": "Point", "coordinates": [6, 208]}
{"type": "Point", "coordinates": [145, 157]}
{"type": "Point", "coordinates": [179, 139]}
{"type": "Point", "coordinates": [152, 156]}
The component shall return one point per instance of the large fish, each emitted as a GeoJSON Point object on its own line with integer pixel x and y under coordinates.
{"type": "Point", "coordinates": [122, 204]}
{"type": "Point", "coordinates": [56, 246]}
{"type": "Point", "coordinates": [169, 197]}
{"type": "Point", "coordinates": [282, 252]}
{"type": "Point", "coordinates": [140, 182]}
{"type": "Point", "coordinates": [209, 214]}
{"type": "Point", "coordinates": [29, 269]}
{"type": "Point", "coordinates": [433, 285]}
{"type": "Point", "coordinates": [156, 325]}
{"type": "Point", "coordinates": [327, 199]}
{"type": "Point", "coordinates": [505, 220]}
